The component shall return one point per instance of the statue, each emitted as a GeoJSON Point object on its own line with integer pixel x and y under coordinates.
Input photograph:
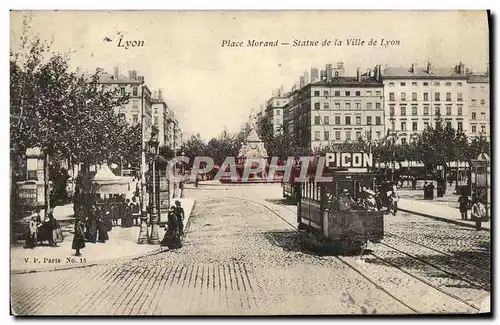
{"type": "Point", "coordinates": [243, 150]}
{"type": "Point", "coordinates": [253, 120]}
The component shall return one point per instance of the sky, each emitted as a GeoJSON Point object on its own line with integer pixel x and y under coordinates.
{"type": "Point", "coordinates": [210, 87]}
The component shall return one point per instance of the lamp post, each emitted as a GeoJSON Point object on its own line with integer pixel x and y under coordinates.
{"type": "Point", "coordinates": [153, 149]}
{"type": "Point", "coordinates": [143, 234]}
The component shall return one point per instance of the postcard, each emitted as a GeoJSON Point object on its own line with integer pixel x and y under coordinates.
{"type": "Point", "coordinates": [250, 163]}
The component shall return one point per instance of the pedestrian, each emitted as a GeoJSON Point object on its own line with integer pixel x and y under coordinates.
{"type": "Point", "coordinates": [196, 180]}
{"type": "Point", "coordinates": [91, 232]}
{"type": "Point", "coordinates": [57, 235]}
{"type": "Point", "coordinates": [172, 232]}
{"type": "Point", "coordinates": [102, 231]}
{"type": "Point", "coordinates": [31, 238]}
{"type": "Point", "coordinates": [179, 213]}
{"type": "Point", "coordinates": [181, 189]}
{"type": "Point", "coordinates": [478, 213]}
{"type": "Point", "coordinates": [431, 191]}
{"type": "Point", "coordinates": [426, 191]}
{"type": "Point", "coordinates": [413, 183]}
{"type": "Point", "coordinates": [79, 237]}
{"type": "Point", "coordinates": [108, 218]}
{"type": "Point", "coordinates": [136, 210]}
{"type": "Point", "coordinates": [127, 220]}
{"type": "Point", "coordinates": [463, 200]}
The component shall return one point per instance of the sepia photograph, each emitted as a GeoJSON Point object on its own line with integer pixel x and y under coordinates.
{"type": "Point", "coordinates": [244, 163]}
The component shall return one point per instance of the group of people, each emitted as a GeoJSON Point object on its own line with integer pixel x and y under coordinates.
{"type": "Point", "coordinates": [93, 226]}
{"type": "Point", "coordinates": [478, 209]}
{"type": "Point", "coordinates": [39, 231]}
{"type": "Point", "coordinates": [429, 191]}
{"type": "Point", "coordinates": [384, 199]}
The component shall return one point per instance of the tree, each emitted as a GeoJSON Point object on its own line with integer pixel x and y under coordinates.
{"type": "Point", "coordinates": [59, 110]}
{"type": "Point", "coordinates": [439, 145]}
{"type": "Point", "coordinates": [194, 147]}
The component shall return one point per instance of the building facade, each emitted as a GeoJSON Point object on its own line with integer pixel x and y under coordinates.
{"type": "Point", "coordinates": [336, 109]}
{"type": "Point", "coordinates": [274, 110]}
{"type": "Point", "coordinates": [160, 116]}
{"type": "Point", "coordinates": [414, 97]}
{"type": "Point", "coordinates": [172, 133]}
{"type": "Point", "coordinates": [479, 105]}
{"type": "Point", "coordinates": [140, 99]}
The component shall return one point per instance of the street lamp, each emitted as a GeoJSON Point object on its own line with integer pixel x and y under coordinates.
{"type": "Point", "coordinates": [143, 233]}
{"type": "Point", "coordinates": [154, 220]}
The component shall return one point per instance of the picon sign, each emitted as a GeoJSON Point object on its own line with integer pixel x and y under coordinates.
{"type": "Point", "coordinates": [349, 160]}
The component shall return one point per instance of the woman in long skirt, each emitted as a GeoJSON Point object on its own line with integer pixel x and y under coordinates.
{"type": "Point", "coordinates": [127, 220]}
{"type": "Point", "coordinates": [79, 238]}
{"type": "Point", "coordinates": [102, 231]}
{"type": "Point", "coordinates": [172, 237]}
{"type": "Point", "coordinates": [92, 225]}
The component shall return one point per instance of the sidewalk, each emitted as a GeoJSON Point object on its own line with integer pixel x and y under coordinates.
{"type": "Point", "coordinates": [122, 244]}
{"type": "Point", "coordinates": [438, 212]}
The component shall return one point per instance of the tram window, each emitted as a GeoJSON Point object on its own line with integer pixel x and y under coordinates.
{"type": "Point", "coordinates": [330, 196]}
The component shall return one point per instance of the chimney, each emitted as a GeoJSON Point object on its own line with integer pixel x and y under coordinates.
{"type": "Point", "coordinates": [358, 76]}
{"type": "Point", "coordinates": [160, 95]}
{"type": "Point", "coordinates": [115, 73]}
{"type": "Point", "coordinates": [301, 83]}
{"type": "Point", "coordinates": [461, 68]}
{"type": "Point", "coordinates": [377, 72]}
{"type": "Point", "coordinates": [314, 74]}
{"type": "Point", "coordinates": [322, 75]}
{"type": "Point", "coordinates": [413, 67]}
{"type": "Point", "coordinates": [329, 72]}
{"type": "Point", "coordinates": [306, 77]}
{"type": "Point", "coordinates": [429, 67]}
{"type": "Point", "coordinates": [132, 74]}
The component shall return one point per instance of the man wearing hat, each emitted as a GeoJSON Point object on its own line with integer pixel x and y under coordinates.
{"type": "Point", "coordinates": [345, 200]}
{"type": "Point", "coordinates": [179, 213]}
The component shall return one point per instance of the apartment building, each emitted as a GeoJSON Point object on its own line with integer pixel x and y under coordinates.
{"type": "Point", "coordinates": [336, 109]}
{"type": "Point", "coordinates": [479, 105]}
{"type": "Point", "coordinates": [414, 96]}
{"type": "Point", "coordinates": [274, 110]}
{"type": "Point", "coordinates": [160, 116]}
{"type": "Point", "coordinates": [140, 99]}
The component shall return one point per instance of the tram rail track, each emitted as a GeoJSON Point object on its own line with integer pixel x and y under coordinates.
{"type": "Point", "coordinates": [344, 261]}
{"type": "Point", "coordinates": [485, 272]}
{"type": "Point", "coordinates": [437, 251]}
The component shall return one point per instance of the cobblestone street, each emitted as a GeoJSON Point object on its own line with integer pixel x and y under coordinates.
{"type": "Point", "coordinates": [244, 256]}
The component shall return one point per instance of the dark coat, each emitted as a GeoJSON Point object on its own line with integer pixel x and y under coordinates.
{"type": "Point", "coordinates": [91, 233]}
{"type": "Point", "coordinates": [102, 232]}
{"type": "Point", "coordinates": [79, 238]}
{"type": "Point", "coordinates": [172, 237]}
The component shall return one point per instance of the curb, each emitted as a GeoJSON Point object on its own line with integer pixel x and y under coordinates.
{"type": "Point", "coordinates": [105, 261]}
{"type": "Point", "coordinates": [443, 219]}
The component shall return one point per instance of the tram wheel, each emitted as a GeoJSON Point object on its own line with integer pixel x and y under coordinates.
{"type": "Point", "coordinates": [352, 246]}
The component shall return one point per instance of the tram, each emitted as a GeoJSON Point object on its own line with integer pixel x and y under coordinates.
{"type": "Point", "coordinates": [334, 209]}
